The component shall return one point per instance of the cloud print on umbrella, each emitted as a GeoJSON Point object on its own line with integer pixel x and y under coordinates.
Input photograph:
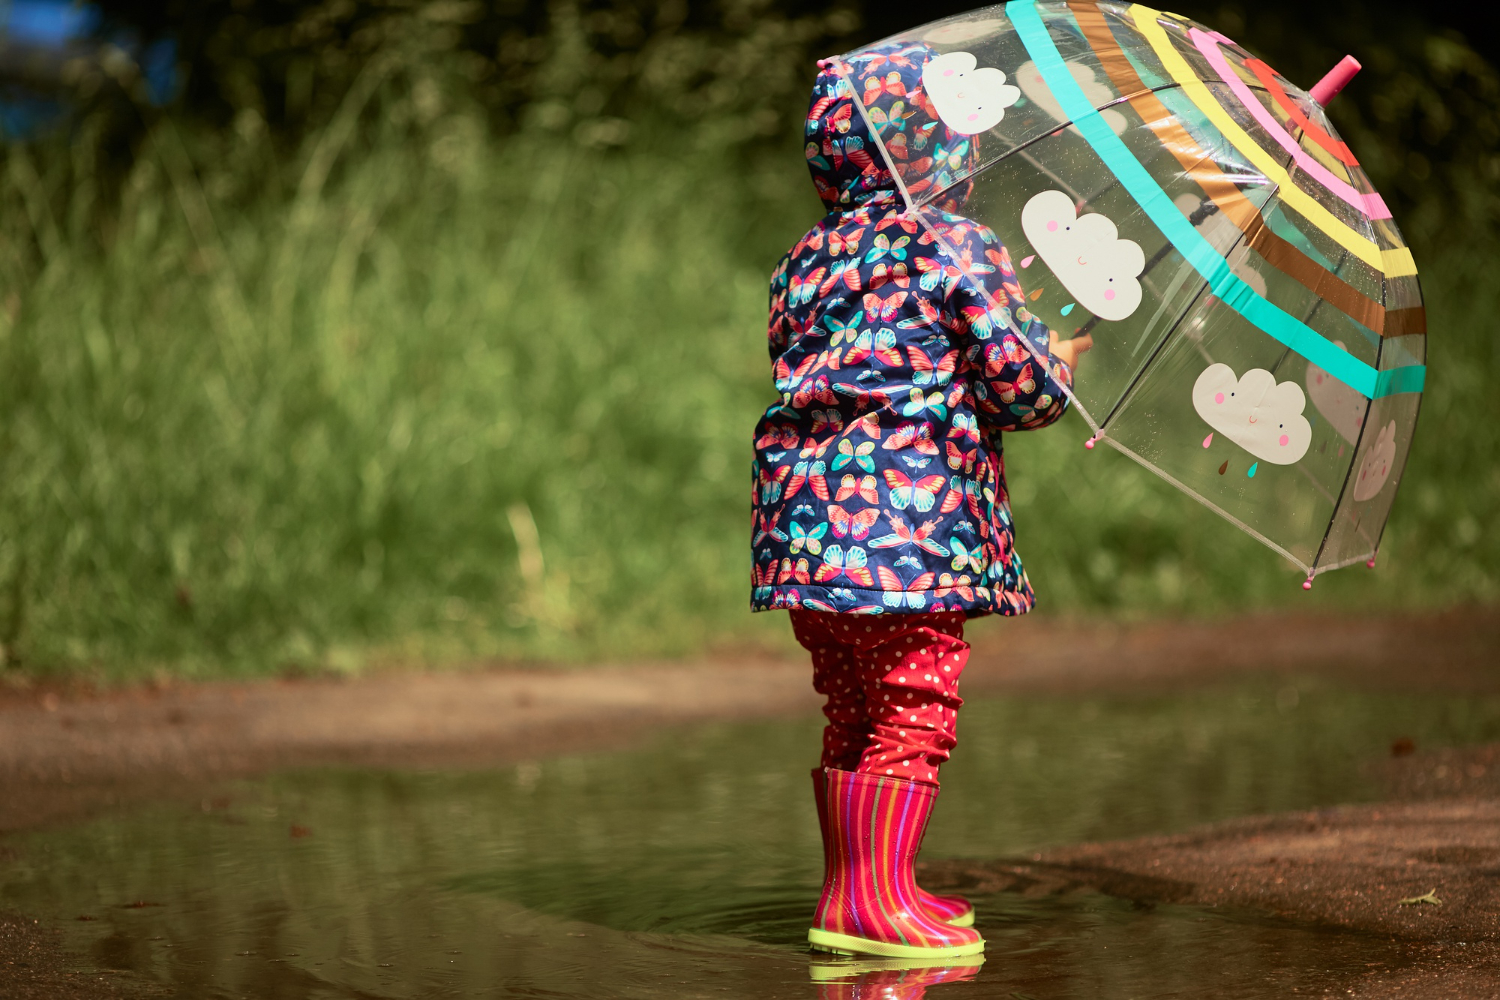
{"type": "Point", "coordinates": [968, 100]}
{"type": "Point", "coordinates": [1344, 408]}
{"type": "Point", "coordinates": [1255, 411]}
{"type": "Point", "coordinates": [1085, 252]}
{"type": "Point", "coordinates": [1099, 94]}
{"type": "Point", "coordinates": [1376, 468]}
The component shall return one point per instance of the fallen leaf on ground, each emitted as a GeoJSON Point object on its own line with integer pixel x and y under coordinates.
{"type": "Point", "coordinates": [1430, 896]}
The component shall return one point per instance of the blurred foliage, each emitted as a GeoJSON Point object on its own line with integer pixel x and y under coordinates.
{"type": "Point", "coordinates": [435, 331]}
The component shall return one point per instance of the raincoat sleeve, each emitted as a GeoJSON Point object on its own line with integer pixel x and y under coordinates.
{"type": "Point", "coordinates": [1017, 386]}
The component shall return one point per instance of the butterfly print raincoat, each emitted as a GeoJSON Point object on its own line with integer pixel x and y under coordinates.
{"type": "Point", "coordinates": [902, 350]}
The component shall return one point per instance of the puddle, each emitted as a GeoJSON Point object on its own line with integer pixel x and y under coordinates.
{"type": "Point", "coordinates": [689, 867]}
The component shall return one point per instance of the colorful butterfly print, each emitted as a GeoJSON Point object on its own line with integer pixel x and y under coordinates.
{"type": "Point", "coordinates": [827, 420]}
{"type": "Point", "coordinates": [782, 435]}
{"type": "Point", "coordinates": [804, 288]}
{"type": "Point", "coordinates": [802, 538]}
{"type": "Point", "coordinates": [856, 526]}
{"type": "Point", "coordinates": [770, 484]}
{"type": "Point", "coordinates": [947, 585]}
{"type": "Point", "coordinates": [904, 493]}
{"type": "Point", "coordinates": [962, 555]}
{"type": "Point", "coordinates": [918, 436]}
{"type": "Point", "coordinates": [920, 136]}
{"type": "Point", "coordinates": [882, 344]}
{"type": "Point", "coordinates": [930, 316]}
{"type": "Point", "coordinates": [896, 146]}
{"type": "Point", "coordinates": [803, 508]}
{"type": "Point", "coordinates": [814, 389]}
{"type": "Point", "coordinates": [956, 392]}
{"type": "Point", "coordinates": [897, 218]}
{"type": "Point", "coordinates": [860, 455]}
{"type": "Point", "coordinates": [864, 399]}
{"type": "Point", "coordinates": [895, 118]}
{"type": "Point", "coordinates": [841, 332]}
{"type": "Point", "coordinates": [842, 118]}
{"type": "Point", "coordinates": [767, 529]}
{"type": "Point", "coordinates": [913, 595]}
{"type": "Point", "coordinates": [1025, 384]}
{"type": "Point", "coordinates": [965, 426]}
{"type": "Point", "coordinates": [935, 272]}
{"type": "Point", "coordinates": [884, 311]}
{"type": "Point", "coordinates": [928, 372]}
{"type": "Point", "coordinates": [983, 322]}
{"type": "Point", "coordinates": [890, 84]}
{"type": "Point", "coordinates": [882, 246]}
{"type": "Point", "coordinates": [845, 270]}
{"type": "Point", "coordinates": [869, 375]}
{"type": "Point", "coordinates": [845, 242]}
{"type": "Point", "coordinates": [916, 463]}
{"type": "Point", "coordinates": [920, 404]}
{"type": "Point", "coordinates": [904, 534]}
{"type": "Point", "coordinates": [854, 564]}
{"type": "Point", "coordinates": [896, 274]}
{"type": "Point", "coordinates": [954, 497]}
{"type": "Point", "coordinates": [817, 605]}
{"type": "Point", "coordinates": [812, 241]}
{"type": "Point", "coordinates": [869, 423]}
{"type": "Point", "coordinates": [812, 448]}
{"type": "Point", "coordinates": [863, 487]}
{"type": "Point", "coordinates": [806, 473]}
{"type": "Point", "coordinates": [960, 459]}
{"type": "Point", "coordinates": [790, 571]}
{"type": "Point", "coordinates": [852, 149]}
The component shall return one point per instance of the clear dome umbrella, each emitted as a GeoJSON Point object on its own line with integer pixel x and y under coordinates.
{"type": "Point", "coordinates": [1257, 324]}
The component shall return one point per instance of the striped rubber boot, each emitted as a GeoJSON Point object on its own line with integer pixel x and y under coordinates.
{"type": "Point", "coordinates": [953, 910]}
{"type": "Point", "coordinates": [870, 904]}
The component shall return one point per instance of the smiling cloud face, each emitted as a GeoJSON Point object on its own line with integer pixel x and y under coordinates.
{"type": "Point", "coordinates": [968, 100]}
{"type": "Point", "coordinates": [1084, 251]}
{"type": "Point", "coordinates": [1256, 412]}
{"type": "Point", "coordinates": [1344, 408]}
{"type": "Point", "coordinates": [1380, 458]}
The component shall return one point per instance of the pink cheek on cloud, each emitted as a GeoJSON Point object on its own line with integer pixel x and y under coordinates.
{"type": "Point", "coordinates": [1218, 397]}
{"type": "Point", "coordinates": [947, 72]}
{"type": "Point", "coordinates": [1285, 440]}
{"type": "Point", "coordinates": [1052, 226]}
{"type": "Point", "coordinates": [1109, 295]}
{"type": "Point", "coordinates": [973, 118]}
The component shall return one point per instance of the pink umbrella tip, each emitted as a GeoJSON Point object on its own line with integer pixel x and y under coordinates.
{"type": "Point", "coordinates": [1371, 563]}
{"type": "Point", "coordinates": [1089, 444]}
{"type": "Point", "coordinates": [1307, 584]}
{"type": "Point", "coordinates": [1334, 81]}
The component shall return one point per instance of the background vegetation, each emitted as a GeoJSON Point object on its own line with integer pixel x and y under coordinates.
{"type": "Point", "coordinates": [434, 331]}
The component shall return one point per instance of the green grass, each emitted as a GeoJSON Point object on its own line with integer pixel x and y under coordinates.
{"type": "Point", "coordinates": [470, 397]}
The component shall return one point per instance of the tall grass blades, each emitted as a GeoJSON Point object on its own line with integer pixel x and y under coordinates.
{"type": "Point", "coordinates": [468, 396]}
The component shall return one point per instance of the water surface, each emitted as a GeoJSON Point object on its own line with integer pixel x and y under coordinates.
{"type": "Point", "coordinates": [689, 865]}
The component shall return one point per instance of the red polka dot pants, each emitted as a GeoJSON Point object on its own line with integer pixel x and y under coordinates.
{"type": "Point", "coordinates": [892, 687]}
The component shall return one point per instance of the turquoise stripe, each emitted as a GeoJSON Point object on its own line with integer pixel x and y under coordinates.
{"type": "Point", "coordinates": [1222, 282]}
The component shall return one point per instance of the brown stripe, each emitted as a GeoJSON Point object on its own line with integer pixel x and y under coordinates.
{"type": "Point", "coordinates": [1200, 166]}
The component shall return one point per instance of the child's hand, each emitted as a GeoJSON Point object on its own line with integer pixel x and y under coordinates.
{"type": "Point", "coordinates": [1067, 351]}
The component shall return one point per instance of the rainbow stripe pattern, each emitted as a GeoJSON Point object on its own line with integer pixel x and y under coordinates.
{"type": "Point", "coordinates": [870, 903]}
{"type": "Point", "coordinates": [954, 910]}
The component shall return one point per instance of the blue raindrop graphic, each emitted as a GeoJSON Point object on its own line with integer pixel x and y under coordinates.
{"type": "Point", "coordinates": [1068, 308]}
{"type": "Point", "coordinates": [1251, 473]}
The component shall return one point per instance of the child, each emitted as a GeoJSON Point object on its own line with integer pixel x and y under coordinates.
{"type": "Point", "coordinates": [881, 519]}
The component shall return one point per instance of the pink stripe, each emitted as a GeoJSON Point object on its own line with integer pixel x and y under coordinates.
{"type": "Point", "coordinates": [1372, 205]}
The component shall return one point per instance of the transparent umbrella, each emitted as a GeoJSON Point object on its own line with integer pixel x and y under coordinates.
{"type": "Point", "coordinates": [1257, 325]}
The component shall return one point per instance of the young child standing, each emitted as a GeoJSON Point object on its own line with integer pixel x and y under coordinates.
{"type": "Point", "coordinates": [881, 520]}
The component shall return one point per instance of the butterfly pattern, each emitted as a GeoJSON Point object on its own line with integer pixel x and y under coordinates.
{"type": "Point", "coordinates": [901, 349]}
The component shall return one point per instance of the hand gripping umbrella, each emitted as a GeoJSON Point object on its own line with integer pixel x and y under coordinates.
{"type": "Point", "coordinates": [1259, 337]}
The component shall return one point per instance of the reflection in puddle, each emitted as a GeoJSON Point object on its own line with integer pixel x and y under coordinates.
{"type": "Point", "coordinates": [690, 867]}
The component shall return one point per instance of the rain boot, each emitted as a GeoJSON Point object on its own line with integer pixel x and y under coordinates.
{"type": "Point", "coordinates": [953, 910]}
{"type": "Point", "coordinates": [870, 904]}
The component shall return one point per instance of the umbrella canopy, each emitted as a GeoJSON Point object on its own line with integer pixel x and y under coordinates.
{"type": "Point", "coordinates": [1259, 337]}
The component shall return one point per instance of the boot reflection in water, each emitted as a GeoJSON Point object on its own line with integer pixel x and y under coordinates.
{"type": "Point", "coordinates": [892, 690]}
{"type": "Point", "coordinates": [888, 978]}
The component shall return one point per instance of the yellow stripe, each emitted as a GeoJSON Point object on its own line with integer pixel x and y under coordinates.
{"type": "Point", "coordinates": [1392, 263]}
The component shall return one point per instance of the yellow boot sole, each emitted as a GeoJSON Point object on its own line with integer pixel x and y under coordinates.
{"type": "Point", "coordinates": [848, 944]}
{"type": "Point", "coordinates": [963, 920]}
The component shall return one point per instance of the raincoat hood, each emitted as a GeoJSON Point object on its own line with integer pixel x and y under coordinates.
{"type": "Point", "coordinates": [846, 163]}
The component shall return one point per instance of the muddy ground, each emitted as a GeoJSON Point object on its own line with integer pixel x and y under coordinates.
{"type": "Point", "coordinates": [67, 753]}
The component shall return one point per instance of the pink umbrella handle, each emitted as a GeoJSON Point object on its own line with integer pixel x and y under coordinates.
{"type": "Point", "coordinates": [1334, 81]}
